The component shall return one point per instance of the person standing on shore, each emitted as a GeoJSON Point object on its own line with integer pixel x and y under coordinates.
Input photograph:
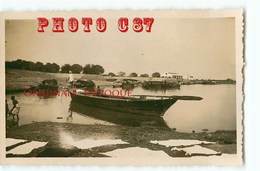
{"type": "Point", "coordinates": [70, 79]}
{"type": "Point", "coordinates": [16, 108]}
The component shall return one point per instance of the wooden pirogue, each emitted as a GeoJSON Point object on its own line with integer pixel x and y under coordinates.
{"type": "Point", "coordinates": [137, 104]}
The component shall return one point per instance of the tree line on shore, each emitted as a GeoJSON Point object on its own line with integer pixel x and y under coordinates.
{"type": "Point", "coordinates": [75, 68]}
{"type": "Point", "coordinates": [53, 67]}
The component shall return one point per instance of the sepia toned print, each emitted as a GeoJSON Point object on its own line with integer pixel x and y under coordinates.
{"type": "Point", "coordinates": [122, 87]}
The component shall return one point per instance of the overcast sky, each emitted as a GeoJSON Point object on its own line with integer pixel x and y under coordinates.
{"type": "Point", "coordinates": [204, 48]}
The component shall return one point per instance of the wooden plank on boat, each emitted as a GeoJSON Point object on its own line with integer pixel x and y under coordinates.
{"type": "Point", "coordinates": [173, 97]}
{"type": "Point", "coordinates": [187, 97]}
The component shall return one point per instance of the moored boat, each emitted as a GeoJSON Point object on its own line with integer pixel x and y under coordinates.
{"type": "Point", "coordinates": [137, 104]}
{"type": "Point", "coordinates": [160, 85]}
{"type": "Point", "coordinates": [46, 89]}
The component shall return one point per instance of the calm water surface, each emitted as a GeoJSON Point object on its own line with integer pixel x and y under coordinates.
{"type": "Point", "coordinates": [217, 110]}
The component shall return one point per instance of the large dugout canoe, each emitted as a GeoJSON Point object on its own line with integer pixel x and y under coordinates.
{"type": "Point", "coordinates": [137, 104]}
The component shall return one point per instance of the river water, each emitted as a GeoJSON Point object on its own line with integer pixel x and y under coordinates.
{"type": "Point", "coordinates": [217, 110]}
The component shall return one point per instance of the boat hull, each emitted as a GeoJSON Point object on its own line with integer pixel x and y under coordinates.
{"type": "Point", "coordinates": [155, 107]}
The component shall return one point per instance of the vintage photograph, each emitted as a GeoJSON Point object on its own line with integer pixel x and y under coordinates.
{"type": "Point", "coordinates": [124, 87]}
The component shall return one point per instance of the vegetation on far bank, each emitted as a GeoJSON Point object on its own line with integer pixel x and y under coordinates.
{"type": "Point", "coordinates": [53, 67]}
{"type": "Point", "coordinates": [75, 68]}
{"type": "Point", "coordinates": [95, 70]}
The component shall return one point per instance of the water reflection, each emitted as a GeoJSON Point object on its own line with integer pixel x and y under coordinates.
{"type": "Point", "coordinates": [69, 117]}
{"type": "Point", "coordinates": [12, 122]}
{"type": "Point", "coordinates": [157, 89]}
{"type": "Point", "coordinates": [116, 117]}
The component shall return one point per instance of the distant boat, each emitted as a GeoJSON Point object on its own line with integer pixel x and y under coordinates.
{"type": "Point", "coordinates": [138, 104]}
{"type": "Point", "coordinates": [127, 83]}
{"type": "Point", "coordinates": [156, 84]}
{"type": "Point", "coordinates": [48, 84]}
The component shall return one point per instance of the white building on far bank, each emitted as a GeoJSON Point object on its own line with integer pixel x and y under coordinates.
{"type": "Point", "coordinates": [172, 75]}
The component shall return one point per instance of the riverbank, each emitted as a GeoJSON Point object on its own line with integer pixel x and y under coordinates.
{"type": "Point", "coordinates": [18, 80]}
{"type": "Point", "coordinates": [51, 132]}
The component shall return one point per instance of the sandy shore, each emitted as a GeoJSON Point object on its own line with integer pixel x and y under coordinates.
{"type": "Point", "coordinates": [18, 80]}
{"type": "Point", "coordinates": [135, 137]}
